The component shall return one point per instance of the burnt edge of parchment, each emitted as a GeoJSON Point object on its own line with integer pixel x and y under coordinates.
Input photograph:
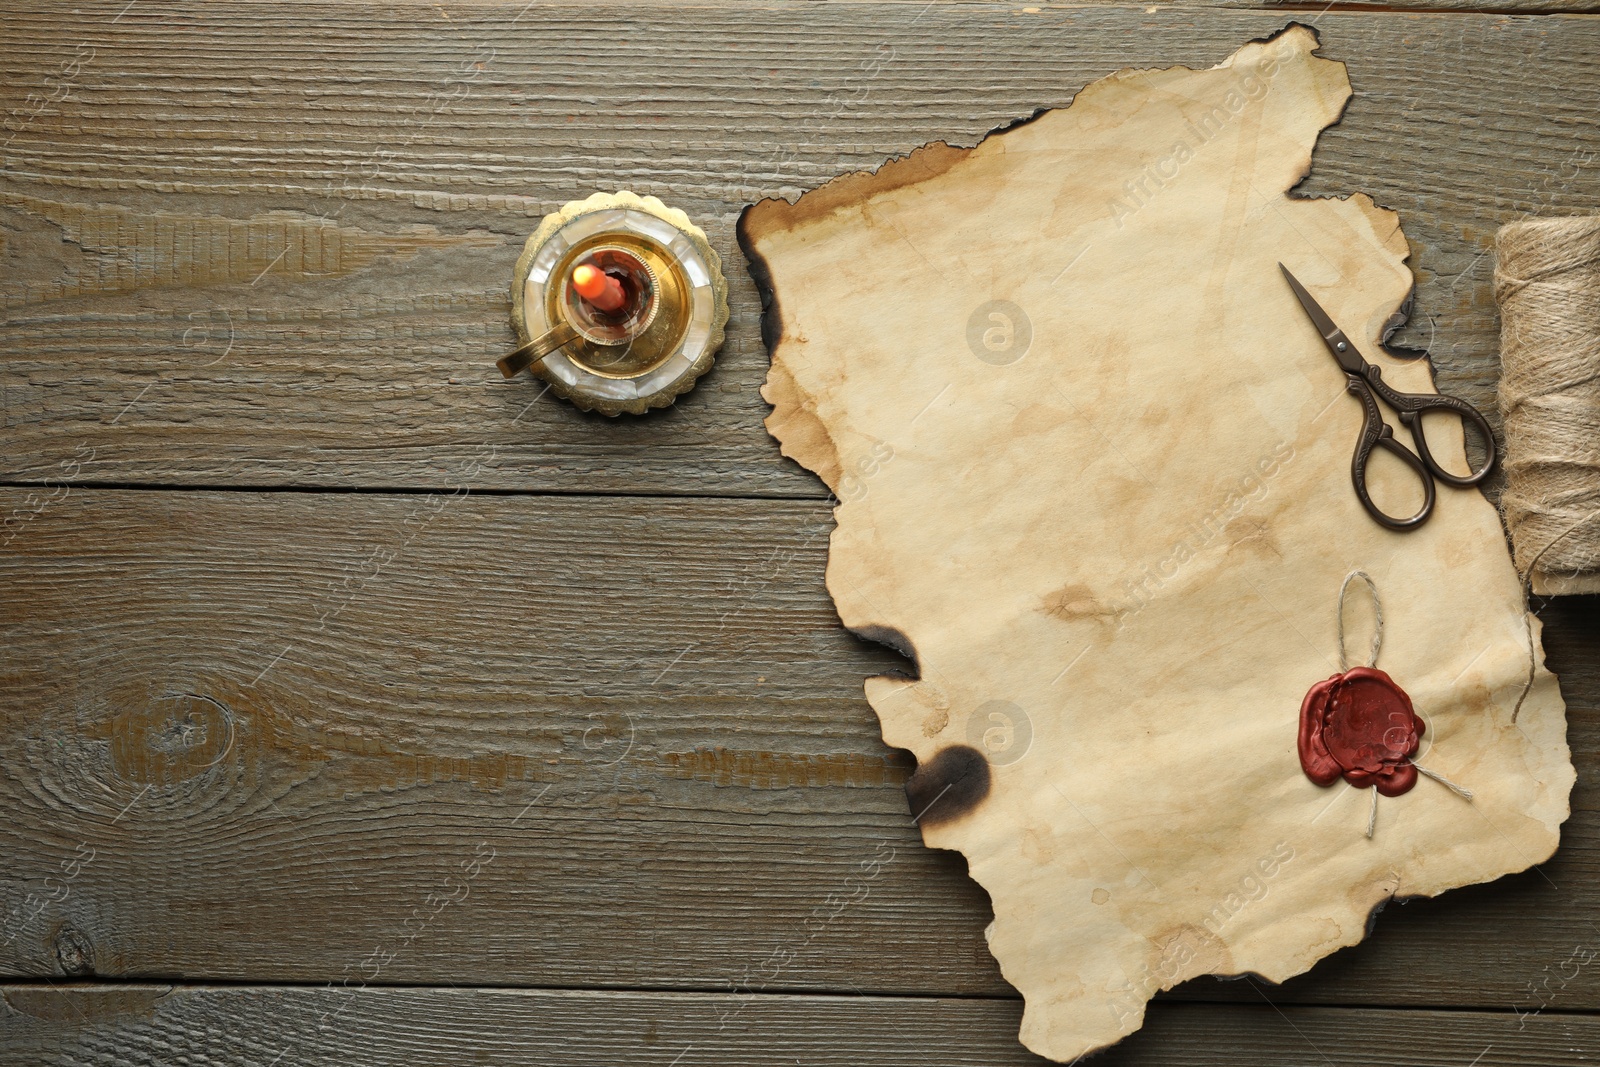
{"type": "Point", "coordinates": [891, 638]}
{"type": "Point", "coordinates": [949, 786]}
{"type": "Point", "coordinates": [761, 275]}
{"type": "Point", "coordinates": [774, 214]}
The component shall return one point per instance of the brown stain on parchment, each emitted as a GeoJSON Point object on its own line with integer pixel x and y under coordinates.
{"type": "Point", "coordinates": [1036, 846]}
{"type": "Point", "coordinates": [1254, 537]}
{"type": "Point", "coordinates": [1038, 419]}
{"type": "Point", "coordinates": [1072, 603]}
{"type": "Point", "coordinates": [1185, 951]}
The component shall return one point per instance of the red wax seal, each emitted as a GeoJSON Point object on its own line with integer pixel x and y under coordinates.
{"type": "Point", "coordinates": [1360, 725]}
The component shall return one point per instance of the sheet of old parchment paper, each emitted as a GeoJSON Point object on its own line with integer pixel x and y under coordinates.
{"type": "Point", "coordinates": [1094, 472]}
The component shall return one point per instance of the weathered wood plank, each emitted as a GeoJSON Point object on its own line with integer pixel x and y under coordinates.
{"type": "Point", "coordinates": [250, 244]}
{"type": "Point", "coordinates": [301, 734]}
{"type": "Point", "coordinates": [142, 1026]}
{"type": "Point", "coordinates": [1303, 9]}
{"type": "Point", "coordinates": [1491, 7]}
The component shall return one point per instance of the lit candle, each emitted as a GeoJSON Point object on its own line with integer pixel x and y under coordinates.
{"type": "Point", "coordinates": [598, 288]}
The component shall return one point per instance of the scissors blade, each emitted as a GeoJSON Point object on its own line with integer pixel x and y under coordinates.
{"type": "Point", "coordinates": [1338, 344]}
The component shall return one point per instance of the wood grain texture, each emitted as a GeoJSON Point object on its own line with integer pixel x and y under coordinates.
{"type": "Point", "coordinates": [301, 734]}
{"type": "Point", "coordinates": [246, 244]}
{"type": "Point", "coordinates": [295, 736]}
{"type": "Point", "coordinates": [1487, 7]}
{"type": "Point", "coordinates": [145, 1026]}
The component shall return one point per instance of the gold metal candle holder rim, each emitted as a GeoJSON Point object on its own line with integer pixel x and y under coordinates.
{"type": "Point", "coordinates": [648, 219]}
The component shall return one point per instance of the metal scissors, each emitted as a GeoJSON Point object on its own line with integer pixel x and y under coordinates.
{"type": "Point", "coordinates": [1366, 382]}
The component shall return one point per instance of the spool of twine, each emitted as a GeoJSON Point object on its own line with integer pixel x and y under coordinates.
{"type": "Point", "coordinates": [1547, 283]}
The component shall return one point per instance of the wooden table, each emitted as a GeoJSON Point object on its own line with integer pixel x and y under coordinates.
{"type": "Point", "coordinates": [363, 708]}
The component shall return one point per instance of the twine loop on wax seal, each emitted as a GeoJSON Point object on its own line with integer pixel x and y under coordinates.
{"type": "Point", "coordinates": [1360, 725]}
{"type": "Point", "coordinates": [1547, 283]}
{"type": "Point", "coordinates": [1377, 610]}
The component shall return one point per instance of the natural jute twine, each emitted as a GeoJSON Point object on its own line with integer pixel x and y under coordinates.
{"type": "Point", "coordinates": [1547, 282]}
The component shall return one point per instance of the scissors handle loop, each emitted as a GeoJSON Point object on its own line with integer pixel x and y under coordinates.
{"type": "Point", "coordinates": [1412, 406]}
{"type": "Point", "coordinates": [1375, 433]}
